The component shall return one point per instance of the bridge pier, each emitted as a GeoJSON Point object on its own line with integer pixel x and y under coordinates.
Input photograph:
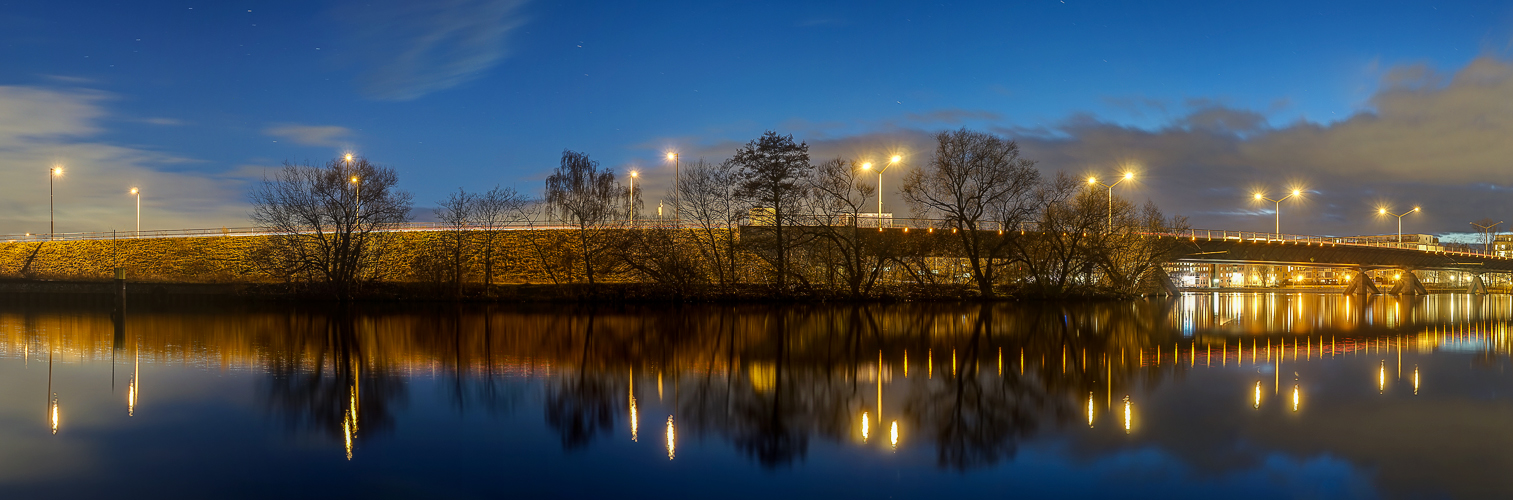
{"type": "Point", "coordinates": [1168, 287]}
{"type": "Point", "coordinates": [1409, 284]}
{"type": "Point", "coordinates": [1361, 284]}
{"type": "Point", "coordinates": [1476, 285]}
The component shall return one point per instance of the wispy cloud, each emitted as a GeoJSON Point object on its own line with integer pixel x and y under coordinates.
{"type": "Point", "coordinates": [1439, 141]}
{"type": "Point", "coordinates": [311, 135]}
{"type": "Point", "coordinates": [1429, 139]}
{"type": "Point", "coordinates": [162, 121]}
{"type": "Point", "coordinates": [416, 48]}
{"type": "Point", "coordinates": [41, 127]}
{"type": "Point", "coordinates": [952, 116]}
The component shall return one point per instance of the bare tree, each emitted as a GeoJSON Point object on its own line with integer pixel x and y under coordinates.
{"type": "Point", "coordinates": [492, 212]}
{"type": "Point", "coordinates": [715, 214]}
{"type": "Point", "coordinates": [1128, 257]}
{"type": "Point", "coordinates": [457, 213]}
{"type": "Point", "coordinates": [773, 173]}
{"type": "Point", "coordinates": [1070, 221]}
{"type": "Point", "coordinates": [589, 199]}
{"type": "Point", "coordinates": [981, 187]}
{"type": "Point", "coordinates": [554, 253]}
{"type": "Point", "coordinates": [328, 221]}
{"type": "Point", "coordinates": [838, 194]}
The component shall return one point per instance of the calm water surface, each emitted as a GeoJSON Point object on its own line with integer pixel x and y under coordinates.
{"type": "Point", "coordinates": [1252, 396]}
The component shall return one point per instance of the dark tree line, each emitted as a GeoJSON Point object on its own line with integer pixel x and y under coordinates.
{"type": "Point", "coordinates": [769, 220]}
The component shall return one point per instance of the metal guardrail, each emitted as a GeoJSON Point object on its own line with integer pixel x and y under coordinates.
{"type": "Point", "coordinates": [1356, 241]}
{"type": "Point", "coordinates": [844, 220]}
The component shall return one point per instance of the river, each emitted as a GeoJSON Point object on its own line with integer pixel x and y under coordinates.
{"type": "Point", "coordinates": [1242, 395]}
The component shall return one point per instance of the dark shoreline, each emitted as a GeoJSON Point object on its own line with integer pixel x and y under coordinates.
{"type": "Point", "coordinates": [105, 290]}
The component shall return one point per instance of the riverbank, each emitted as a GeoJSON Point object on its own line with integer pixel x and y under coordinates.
{"type": "Point", "coordinates": [106, 290]}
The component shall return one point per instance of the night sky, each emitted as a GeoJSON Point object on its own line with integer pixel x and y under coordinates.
{"type": "Point", "coordinates": [1361, 104]}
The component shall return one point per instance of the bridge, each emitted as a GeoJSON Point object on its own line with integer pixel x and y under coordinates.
{"type": "Point", "coordinates": [1215, 257]}
{"type": "Point", "coordinates": [1202, 260]}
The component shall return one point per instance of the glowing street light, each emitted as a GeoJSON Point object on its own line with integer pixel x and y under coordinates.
{"type": "Point", "coordinates": [868, 166]}
{"type": "Point", "coordinates": [1093, 181]}
{"type": "Point", "coordinates": [1383, 211]}
{"type": "Point", "coordinates": [53, 174]}
{"type": "Point", "coordinates": [1278, 212]}
{"type": "Point", "coordinates": [138, 194]}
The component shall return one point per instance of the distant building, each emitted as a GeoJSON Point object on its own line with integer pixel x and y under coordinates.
{"type": "Point", "coordinates": [1502, 245]}
{"type": "Point", "coordinates": [1425, 242]}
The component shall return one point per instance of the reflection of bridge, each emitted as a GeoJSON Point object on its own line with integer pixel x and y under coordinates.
{"type": "Point", "coordinates": [1226, 259]}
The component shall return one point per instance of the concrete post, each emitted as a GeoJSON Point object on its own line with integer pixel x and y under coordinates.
{"type": "Point", "coordinates": [1475, 284]}
{"type": "Point", "coordinates": [1409, 285]}
{"type": "Point", "coordinates": [1361, 284]}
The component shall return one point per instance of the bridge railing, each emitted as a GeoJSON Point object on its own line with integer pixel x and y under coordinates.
{"type": "Point", "coordinates": [861, 220]}
{"type": "Point", "coordinates": [1360, 241]}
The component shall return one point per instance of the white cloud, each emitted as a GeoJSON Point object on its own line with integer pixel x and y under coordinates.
{"type": "Point", "coordinates": [415, 48]}
{"type": "Point", "coordinates": [311, 135]}
{"type": "Point", "coordinates": [167, 122]}
{"type": "Point", "coordinates": [43, 127]}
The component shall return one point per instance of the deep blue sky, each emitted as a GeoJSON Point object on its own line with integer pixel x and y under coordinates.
{"type": "Point", "coordinates": [193, 100]}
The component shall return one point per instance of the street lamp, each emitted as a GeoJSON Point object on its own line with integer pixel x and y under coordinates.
{"type": "Point", "coordinates": [357, 183]}
{"type": "Point", "coordinates": [52, 225]}
{"type": "Point", "coordinates": [1488, 234]}
{"type": "Point", "coordinates": [677, 180]}
{"type": "Point", "coordinates": [1383, 211]}
{"type": "Point", "coordinates": [633, 175]}
{"type": "Point", "coordinates": [868, 166]}
{"type": "Point", "coordinates": [1093, 181]}
{"type": "Point", "coordinates": [1278, 211]}
{"type": "Point", "coordinates": [138, 194]}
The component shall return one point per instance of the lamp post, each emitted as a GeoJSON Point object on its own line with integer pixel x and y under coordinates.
{"type": "Point", "coordinates": [677, 180]}
{"type": "Point", "coordinates": [1488, 234]}
{"type": "Point", "coordinates": [868, 166]}
{"type": "Point", "coordinates": [1278, 228]}
{"type": "Point", "coordinates": [52, 225]}
{"type": "Point", "coordinates": [138, 194]}
{"type": "Point", "coordinates": [632, 209]}
{"type": "Point", "coordinates": [1383, 211]}
{"type": "Point", "coordinates": [1093, 181]}
{"type": "Point", "coordinates": [357, 184]}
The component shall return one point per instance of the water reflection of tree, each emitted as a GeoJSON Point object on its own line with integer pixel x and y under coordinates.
{"type": "Point", "coordinates": [321, 379]}
{"type": "Point", "coordinates": [975, 418]}
{"type": "Point", "coordinates": [582, 405]}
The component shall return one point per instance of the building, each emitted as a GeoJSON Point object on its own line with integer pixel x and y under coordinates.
{"type": "Point", "coordinates": [1502, 245]}
{"type": "Point", "coordinates": [1425, 242]}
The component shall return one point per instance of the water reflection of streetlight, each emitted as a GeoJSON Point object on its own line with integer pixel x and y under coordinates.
{"type": "Point", "coordinates": [52, 412]}
{"type": "Point", "coordinates": [1381, 378]}
{"type": "Point", "coordinates": [1415, 381]}
{"type": "Point", "coordinates": [631, 394]}
{"type": "Point", "coordinates": [1295, 397]}
{"type": "Point", "coordinates": [1127, 411]}
{"type": "Point", "coordinates": [1258, 395]}
{"type": "Point", "coordinates": [671, 444]}
{"type": "Point", "coordinates": [346, 432]}
{"type": "Point", "coordinates": [131, 389]}
{"type": "Point", "coordinates": [894, 433]}
{"type": "Point", "coordinates": [864, 427]}
{"type": "Point", "coordinates": [1090, 410]}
